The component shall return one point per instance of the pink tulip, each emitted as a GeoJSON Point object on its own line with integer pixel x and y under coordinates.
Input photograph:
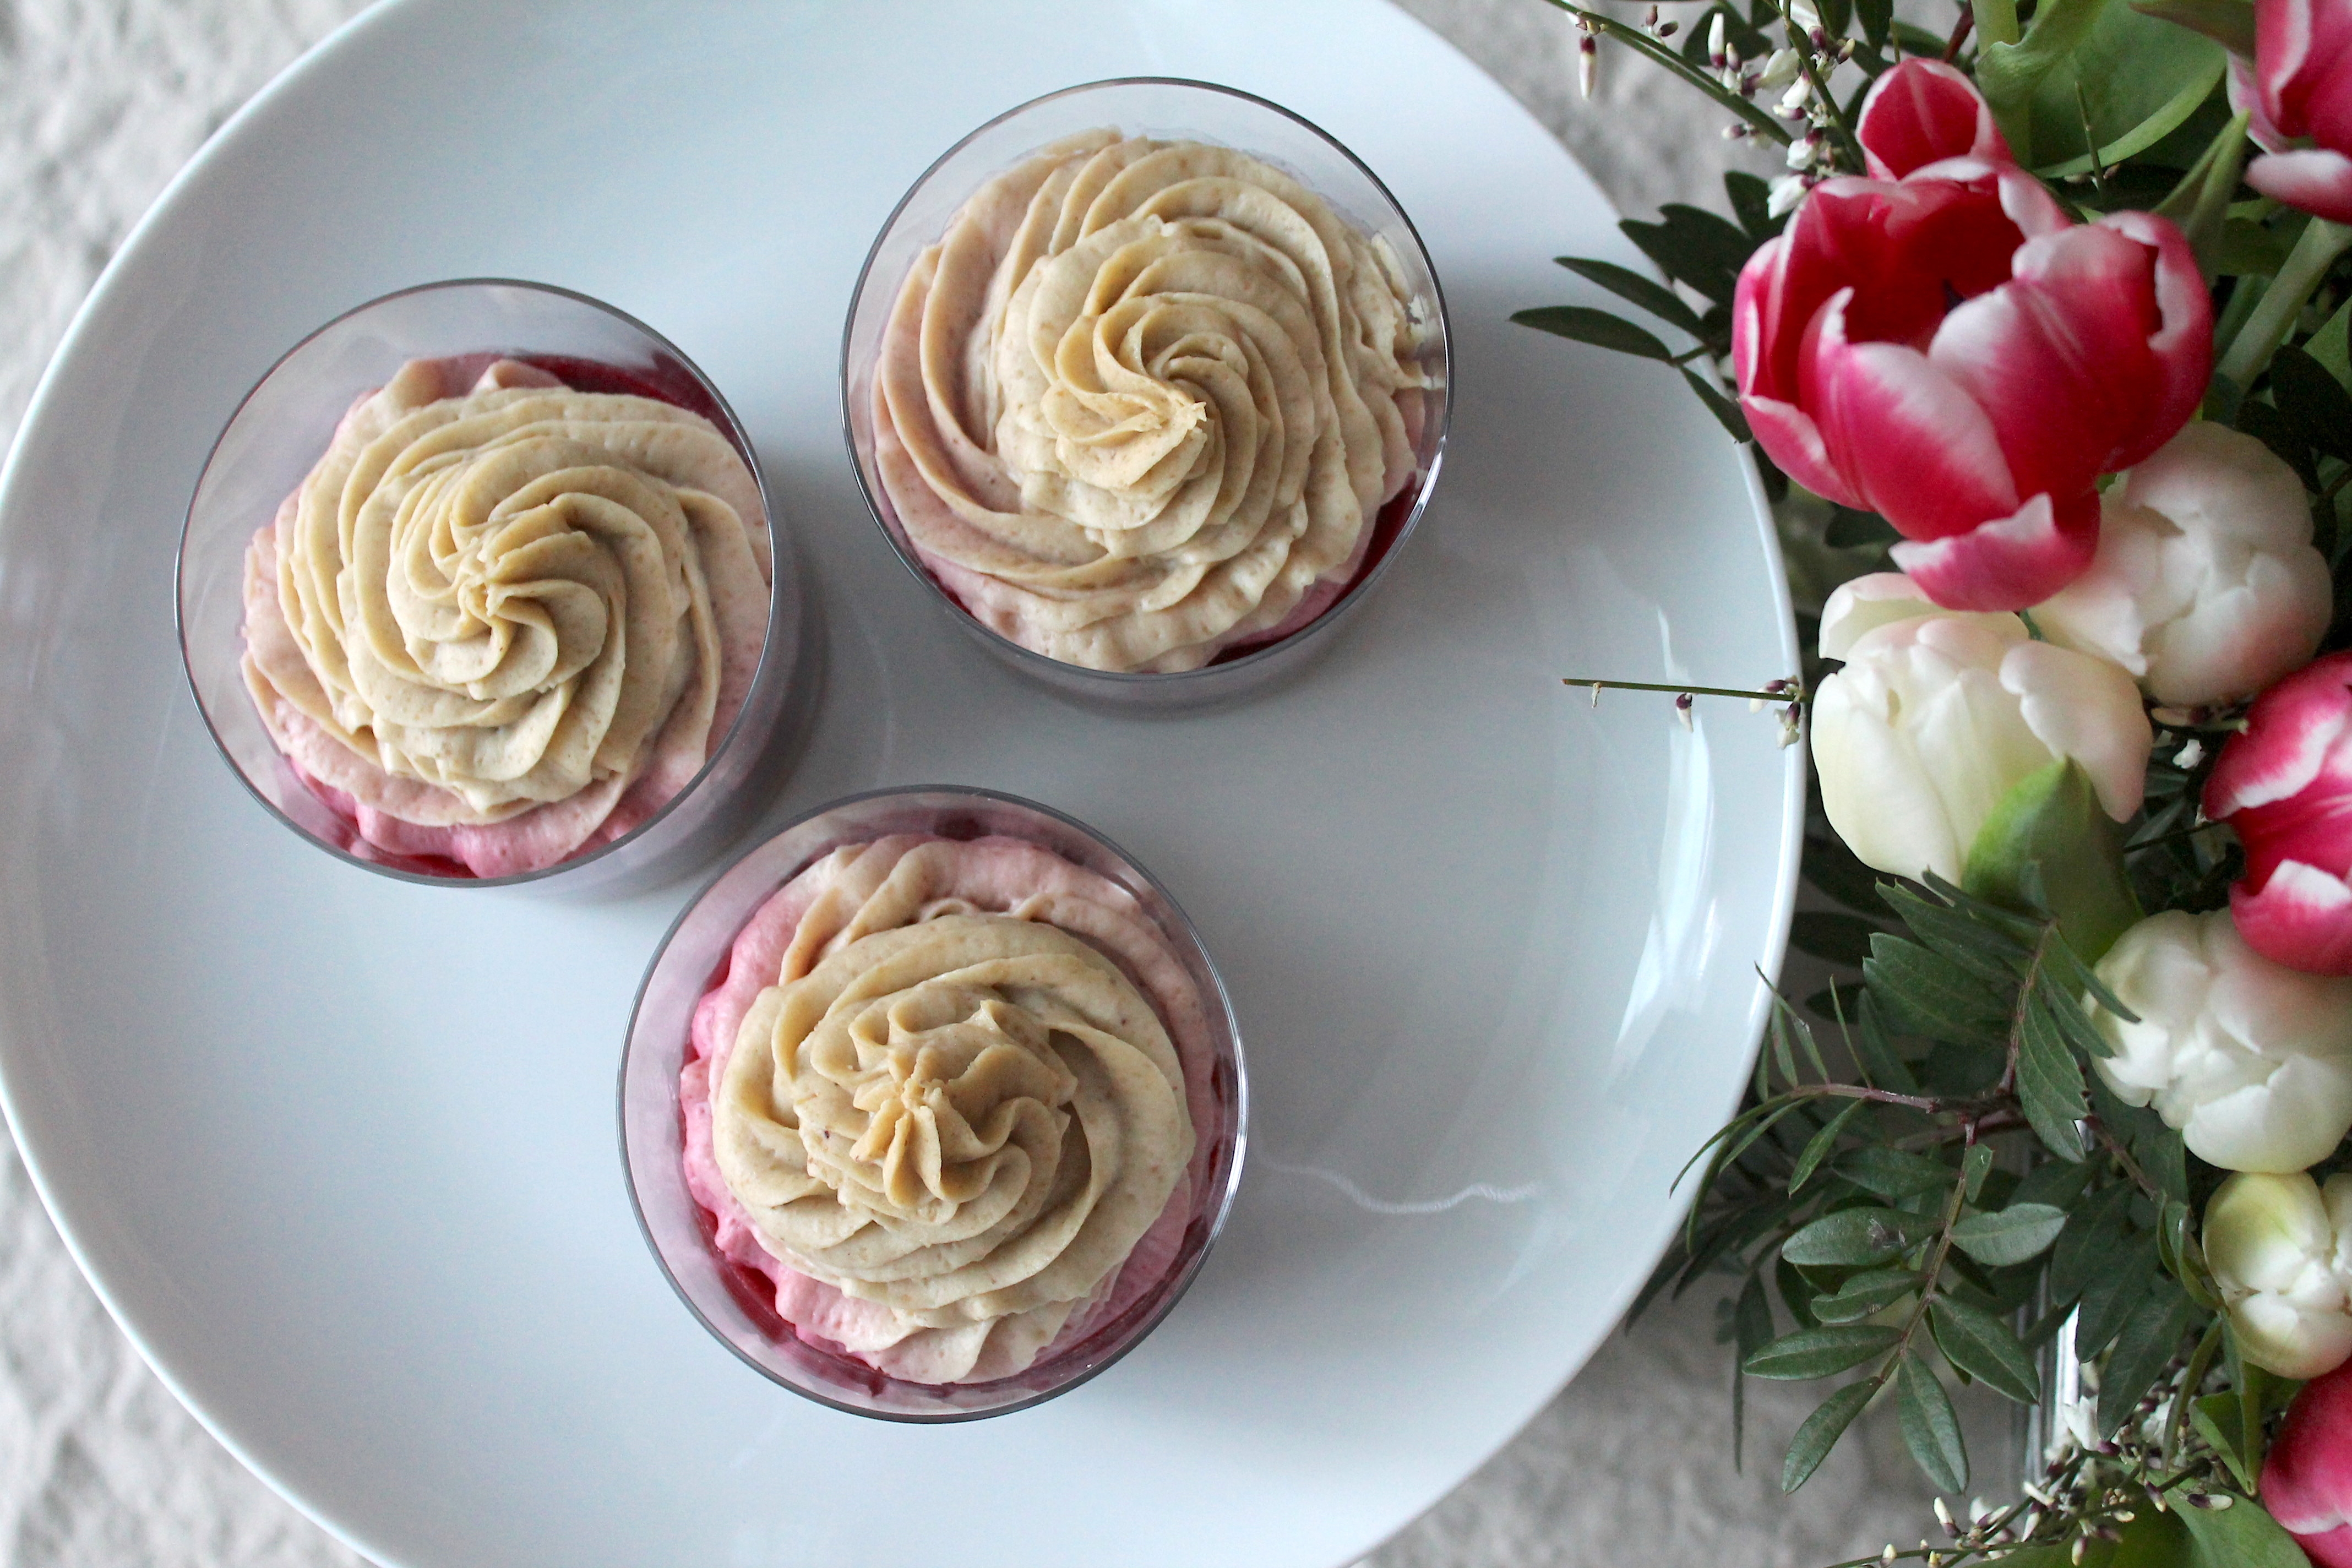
{"type": "Point", "coordinates": [2307, 1479]}
{"type": "Point", "coordinates": [1922, 112]}
{"type": "Point", "coordinates": [2286, 785]}
{"type": "Point", "coordinates": [1950, 350]}
{"type": "Point", "coordinates": [2300, 94]}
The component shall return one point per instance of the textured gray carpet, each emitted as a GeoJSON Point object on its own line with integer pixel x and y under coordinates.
{"type": "Point", "coordinates": [99, 102]}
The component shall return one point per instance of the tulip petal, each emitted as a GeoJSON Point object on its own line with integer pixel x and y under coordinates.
{"type": "Point", "coordinates": [1865, 604]}
{"type": "Point", "coordinates": [2011, 563]}
{"type": "Point", "coordinates": [2301, 917]}
{"type": "Point", "coordinates": [2307, 1481]}
{"type": "Point", "coordinates": [2313, 179]}
{"type": "Point", "coordinates": [2182, 344]}
{"type": "Point", "coordinates": [2291, 732]}
{"type": "Point", "coordinates": [1791, 438]}
{"type": "Point", "coordinates": [1921, 113]}
{"type": "Point", "coordinates": [1920, 451]}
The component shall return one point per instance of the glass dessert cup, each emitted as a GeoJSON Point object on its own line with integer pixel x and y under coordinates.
{"type": "Point", "coordinates": [279, 432]}
{"type": "Point", "coordinates": [736, 1304]}
{"type": "Point", "coordinates": [1170, 110]}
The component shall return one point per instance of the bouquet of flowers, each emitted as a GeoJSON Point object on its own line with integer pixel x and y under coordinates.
{"type": "Point", "coordinates": [2042, 345]}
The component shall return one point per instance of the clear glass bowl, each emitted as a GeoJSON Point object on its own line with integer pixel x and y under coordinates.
{"type": "Point", "coordinates": [1171, 109]}
{"type": "Point", "coordinates": [737, 1305]}
{"type": "Point", "coordinates": [277, 433]}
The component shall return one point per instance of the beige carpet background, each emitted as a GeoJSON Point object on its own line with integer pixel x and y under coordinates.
{"type": "Point", "coordinates": [101, 101]}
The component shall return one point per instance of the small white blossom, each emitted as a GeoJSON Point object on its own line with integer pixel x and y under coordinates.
{"type": "Point", "coordinates": [1780, 70]}
{"type": "Point", "coordinates": [1786, 193]}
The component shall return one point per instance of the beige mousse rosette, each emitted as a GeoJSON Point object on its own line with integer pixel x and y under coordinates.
{"type": "Point", "coordinates": [510, 599]}
{"type": "Point", "coordinates": [1144, 401]}
{"type": "Point", "coordinates": [955, 1107]}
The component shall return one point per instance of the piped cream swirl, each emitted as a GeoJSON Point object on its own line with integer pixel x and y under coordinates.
{"type": "Point", "coordinates": [482, 603]}
{"type": "Point", "coordinates": [1144, 400]}
{"type": "Point", "coordinates": [955, 1107]}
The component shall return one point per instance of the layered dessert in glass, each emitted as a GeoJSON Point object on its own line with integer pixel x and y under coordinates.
{"type": "Point", "coordinates": [1144, 405]}
{"type": "Point", "coordinates": [512, 608]}
{"type": "Point", "coordinates": [956, 1115]}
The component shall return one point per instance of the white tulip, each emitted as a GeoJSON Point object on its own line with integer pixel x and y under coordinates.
{"type": "Point", "coordinates": [2249, 1061]}
{"type": "Point", "coordinates": [1939, 714]}
{"type": "Point", "coordinates": [2282, 1253]}
{"type": "Point", "coordinates": [2205, 585]}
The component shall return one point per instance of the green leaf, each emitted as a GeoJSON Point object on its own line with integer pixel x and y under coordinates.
{"type": "Point", "coordinates": [2071, 973]}
{"type": "Point", "coordinates": [1931, 1430]}
{"type": "Point", "coordinates": [1840, 939]}
{"type": "Point", "coordinates": [2049, 1083]}
{"type": "Point", "coordinates": [2246, 249]}
{"type": "Point", "coordinates": [1727, 413]}
{"type": "Point", "coordinates": [1821, 1145]}
{"type": "Point", "coordinates": [2017, 1234]}
{"type": "Point", "coordinates": [2331, 346]}
{"type": "Point", "coordinates": [1694, 246]}
{"type": "Point", "coordinates": [2240, 1536]}
{"type": "Point", "coordinates": [1877, 19]}
{"type": "Point", "coordinates": [2162, 1314]}
{"type": "Point", "coordinates": [2051, 822]}
{"type": "Point", "coordinates": [2075, 1026]}
{"type": "Point", "coordinates": [1874, 1052]}
{"type": "Point", "coordinates": [1931, 993]}
{"type": "Point", "coordinates": [1820, 1432]}
{"type": "Point", "coordinates": [2218, 1420]}
{"type": "Point", "coordinates": [1627, 284]}
{"type": "Point", "coordinates": [1818, 1353]}
{"type": "Point", "coordinates": [1751, 202]}
{"type": "Point", "coordinates": [2314, 401]}
{"type": "Point", "coordinates": [1599, 327]}
{"type": "Point", "coordinates": [2109, 1297]}
{"type": "Point", "coordinates": [1864, 1294]}
{"type": "Point", "coordinates": [1975, 1165]}
{"type": "Point", "coordinates": [1990, 956]}
{"type": "Point", "coordinates": [2200, 204]}
{"type": "Point", "coordinates": [2228, 22]}
{"type": "Point", "coordinates": [1984, 1347]}
{"type": "Point", "coordinates": [2097, 67]}
{"type": "Point", "coordinates": [1893, 1173]}
{"type": "Point", "coordinates": [1854, 1238]}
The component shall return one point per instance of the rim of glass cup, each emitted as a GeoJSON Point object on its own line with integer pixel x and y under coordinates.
{"type": "Point", "coordinates": [729, 425]}
{"type": "Point", "coordinates": [1191, 1269]}
{"type": "Point", "coordinates": [1225, 669]}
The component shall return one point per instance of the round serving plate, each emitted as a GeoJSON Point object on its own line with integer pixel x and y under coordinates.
{"type": "Point", "coordinates": [339, 1153]}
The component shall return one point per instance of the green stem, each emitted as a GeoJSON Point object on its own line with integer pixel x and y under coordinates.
{"type": "Point", "coordinates": [1995, 20]}
{"type": "Point", "coordinates": [2307, 264]}
{"type": "Point", "coordinates": [1641, 43]}
{"type": "Point", "coordinates": [1847, 142]}
{"type": "Point", "coordinates": [1793, 694]}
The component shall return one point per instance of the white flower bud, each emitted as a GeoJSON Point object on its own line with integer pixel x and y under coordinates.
{"type": "Point", "coordinates": [1805, 18]}
{"type": "Point", "coordinates": [2278, 1249]}
{"type": "Point", "coordinates": [2205, 585]}
{"type": "Point", "coordinates": [2249, 1061]}
{"type": "Point", "coordinates": [1780, 70]}
{"type": "Point", "coordinates": [1786, 193]}
{"type": "Point", "coordinates": [1937, 714]}
{"type": "Point", "coordinates": [1715, 53]}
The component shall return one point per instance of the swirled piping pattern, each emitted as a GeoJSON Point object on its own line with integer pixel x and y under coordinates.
{"type": "Point", "coordinates": [1144, 400]}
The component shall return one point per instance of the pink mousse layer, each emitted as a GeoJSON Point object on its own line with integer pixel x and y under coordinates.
{"type": "Point", "coordinates": [821, 1314]}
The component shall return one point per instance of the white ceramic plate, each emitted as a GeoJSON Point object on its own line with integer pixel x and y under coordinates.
{"type": "Point", "coordinates": [339, 1152]}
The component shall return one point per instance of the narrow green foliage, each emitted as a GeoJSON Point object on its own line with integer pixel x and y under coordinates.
{"type": "Point", "coordinates": [1821, 1145]}
{"type": "Point", "coordinates": [1931, 1430]}
{"type": "Point", "coordinates": [1694, 246]}
{"type": "Point", "coordinates": [2050, 1082]}
{"type": "Point", "coordinates": [1856, 1238]}
{"type": "Point", "coordinates": [1818, 1353]}
{"type": "Point", "coordinates": [1584, 324]}
{"type": "Point", "coordinates": [1627, 284]}
{"type": "Point", "coordinates": [1820, 1432]}
{"type": "Point", "coordinates": [1981, 1345]}
{"type": "Point", "coordinates": [2160, 1319]}
{"type": "Point", "coordinates": [1930, 994]}
{"type": "Point", "coordinates": [2018, 1234]}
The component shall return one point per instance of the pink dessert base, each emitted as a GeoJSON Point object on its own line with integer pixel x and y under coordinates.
{"type": "Point", "coordinates": [820, 1315]}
